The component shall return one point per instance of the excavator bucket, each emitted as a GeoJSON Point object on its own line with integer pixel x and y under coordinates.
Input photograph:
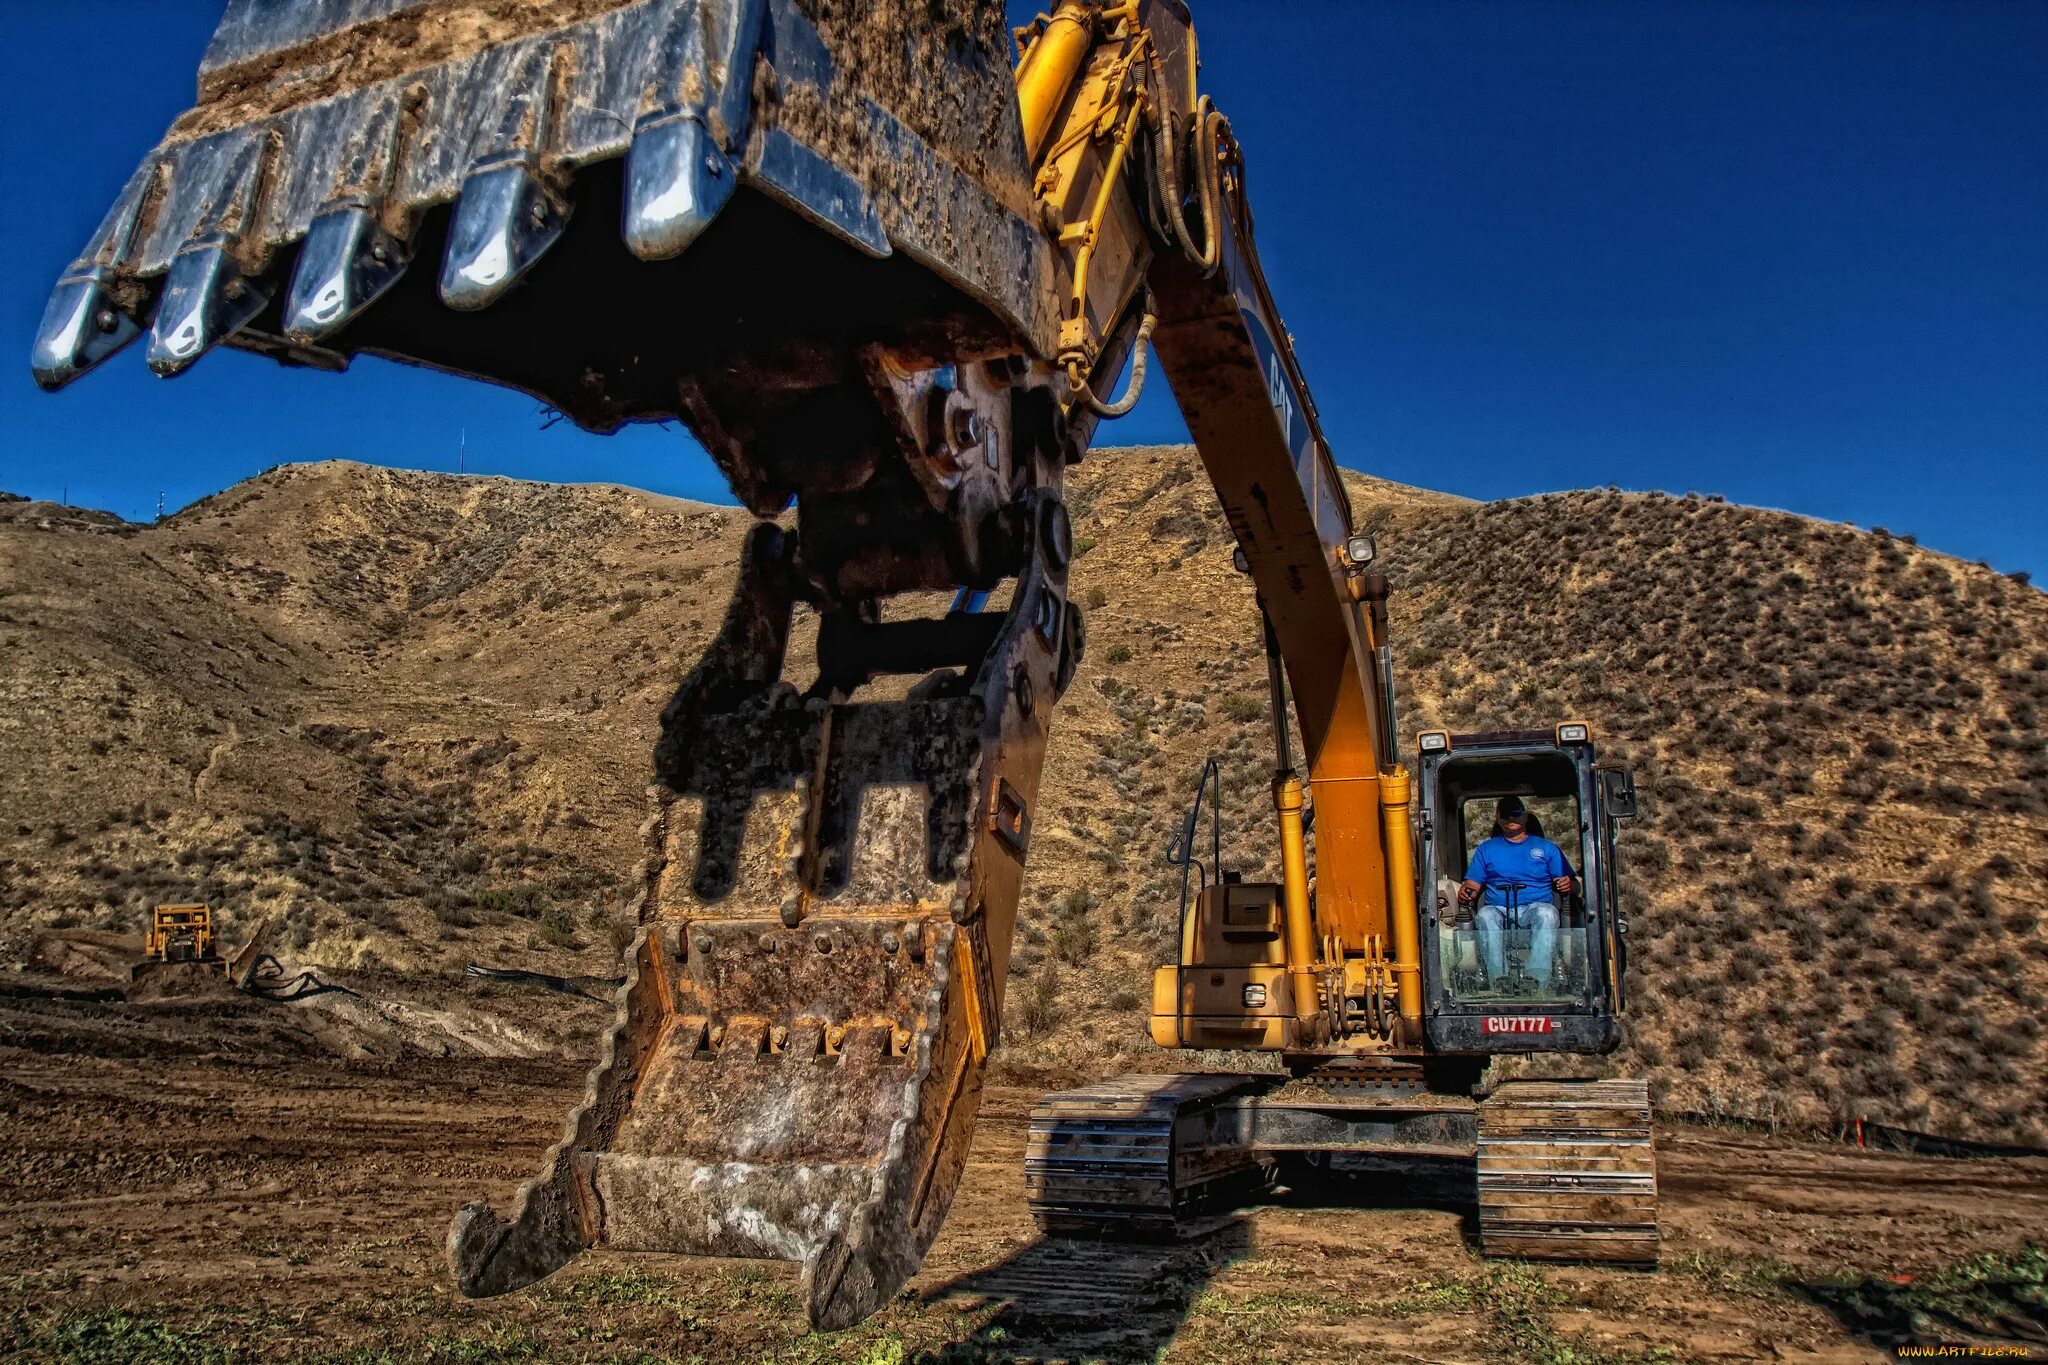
{"type": "Point", "coordinates": [651, 185]}
{"type": "Point", "coordinates": [806, 229]}
{"type": "Point", "coordinates": [828, 897]}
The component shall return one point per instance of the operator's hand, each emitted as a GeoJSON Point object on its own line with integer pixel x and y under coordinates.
{"type": "Point", "coordinates": [1561, 885]}
{"type": "Point", "coordinates": [1468, 891]}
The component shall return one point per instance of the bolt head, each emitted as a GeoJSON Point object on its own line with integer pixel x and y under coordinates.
{"type": "Point", "coordinates": [1056, 535]}
{"type": "Point", "coordinates": [106, 319]}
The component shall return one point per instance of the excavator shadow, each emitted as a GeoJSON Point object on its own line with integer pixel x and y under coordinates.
{"type": "Point", "coordinates": [1065, 1297]}
{"type": "Point", "coordinates": [1389, 1181]}
{"type": "Point", "coordinates": [1999, 1302]}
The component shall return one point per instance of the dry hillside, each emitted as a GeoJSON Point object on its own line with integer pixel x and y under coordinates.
{"type": "Point", "coordinates": [410, 714]}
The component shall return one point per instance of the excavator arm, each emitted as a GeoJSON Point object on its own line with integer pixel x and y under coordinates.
{"type": "Point", "coordinates": [885, 279]}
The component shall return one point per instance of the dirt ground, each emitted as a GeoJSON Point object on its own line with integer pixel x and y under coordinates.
{"type": "Point", "coordinates": [220, 1191]}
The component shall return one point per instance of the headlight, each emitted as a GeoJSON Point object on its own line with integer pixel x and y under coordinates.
{"type": "Point", "coordinates": [1359, 551]}
{"type": "Point", "coordinates": [1255, 996]}
{"type": "Point", "coordinates": [1435, 742]}
{"type": "Point", "coordinates": [1575, 733]}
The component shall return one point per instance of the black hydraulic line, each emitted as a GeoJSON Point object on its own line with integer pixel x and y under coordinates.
{"type": "Point", "coordinates": [1183, 853]}
{"type": "Point", "coordinates": [1276, 688]}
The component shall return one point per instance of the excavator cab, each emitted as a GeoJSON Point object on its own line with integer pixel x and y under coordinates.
{"type": "Point", "coordinates": [1525, 968]}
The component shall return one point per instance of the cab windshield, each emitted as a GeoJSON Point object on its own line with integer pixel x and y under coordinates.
{"type": "Point", "coordinates": [1512, 926]}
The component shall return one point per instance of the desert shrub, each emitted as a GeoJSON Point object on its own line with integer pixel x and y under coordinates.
{"type": "Point", "coordinates": [1242, 709]}
{"type": "Point", "coordinates": [524, 900]}
{"type": "Point", "coordinates": [1117, 654]}
{"type": "Point", "coordinates": [1073, 939]}
{"type": "Point", "coordinates": [557, 929]}
{"type": "Point", "coordinates": [1039, 1010]}
{"type": "Point", "coordinates": [450, 909]}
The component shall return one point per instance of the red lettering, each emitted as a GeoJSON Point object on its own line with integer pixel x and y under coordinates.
{"type": "Point", "coordinates": [1518, 1023]}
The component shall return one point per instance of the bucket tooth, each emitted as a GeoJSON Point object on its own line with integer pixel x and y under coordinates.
{"type": "Point", "coordinates": [695, 108]}
{"type": "Point", "coordinates": [81, 327]}
{"type": "Point", "coordinates": [347, 262]}
{"type": "Point", "coordinates": [677, 180]}
{"type": "Point", "coordinates": [507, 215]}
{"type": "Point", "coordinates": [504, 222]}
{"type": "Point", "coordinates": [82, 322]}
{"type": "Point", "coordinates": [206, 299]}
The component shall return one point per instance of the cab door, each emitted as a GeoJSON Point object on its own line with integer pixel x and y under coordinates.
{"type": "Point", "coordinates": [1614, 800]}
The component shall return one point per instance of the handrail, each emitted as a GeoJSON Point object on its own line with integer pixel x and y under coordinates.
{"type": "Point", "coordinates": [1182, 854]}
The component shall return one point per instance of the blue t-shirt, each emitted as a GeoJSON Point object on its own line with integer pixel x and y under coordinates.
{"type": "Point", "coordinates": [1526, 868]}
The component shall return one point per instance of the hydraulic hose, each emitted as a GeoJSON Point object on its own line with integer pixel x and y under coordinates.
{"type": "Point", "coordinates": [1209, 126]}
{"type": "Point", "coordinates": [1132, 391]}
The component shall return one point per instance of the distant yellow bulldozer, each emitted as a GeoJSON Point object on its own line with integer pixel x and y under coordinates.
{"type": "Point", "coordinates": [178, 933]}
{"type": "Point", "coordinates": [185, 934]}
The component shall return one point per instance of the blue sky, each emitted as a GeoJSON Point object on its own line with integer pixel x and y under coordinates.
{"type": "Point", "coordinates": [1796, 254]}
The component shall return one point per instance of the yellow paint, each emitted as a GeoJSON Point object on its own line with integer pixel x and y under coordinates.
{"type": "Point", "coordinates": [1300, 933]}
{"type": "Point", "coordinates": [1407, 922]}
{"type": "Point", "coordinates": [1047, 70]}
{"type": "Point", "coordinates": [970, 988]}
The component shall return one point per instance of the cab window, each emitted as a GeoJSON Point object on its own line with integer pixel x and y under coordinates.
{"type": "Point", "coordinates": [1505, 933]}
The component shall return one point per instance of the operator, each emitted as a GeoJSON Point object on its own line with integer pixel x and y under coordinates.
{"type": "Point", "coordinates": [1517, 869]}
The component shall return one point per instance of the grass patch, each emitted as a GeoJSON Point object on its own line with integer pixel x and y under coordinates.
{"type": "Point", "coordinates": [487, 1347]}
{"type": "Point", "coordinates": [110, 1336]}
{"type": "Point", "coordinates": [1741, 1276]}
{"type": "Point", "coordinates": [1514, 1300]}
{"type": "Point", "coordinates": [628, 1288]}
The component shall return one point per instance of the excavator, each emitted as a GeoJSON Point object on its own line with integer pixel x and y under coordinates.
{"type": "Point", "coordinates": [888, 275]}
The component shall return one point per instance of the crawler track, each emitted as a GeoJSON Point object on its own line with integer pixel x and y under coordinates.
{"type": "Point", "coordinates": [1139, 1156]}
{"type": "Point", "coordinates": [1567, 1171]}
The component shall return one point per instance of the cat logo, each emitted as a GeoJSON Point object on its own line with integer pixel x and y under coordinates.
{"type": "Point", "coordinates": [1283, 401]}
{"type": "Point", "coordinates": [1519, 1023]}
